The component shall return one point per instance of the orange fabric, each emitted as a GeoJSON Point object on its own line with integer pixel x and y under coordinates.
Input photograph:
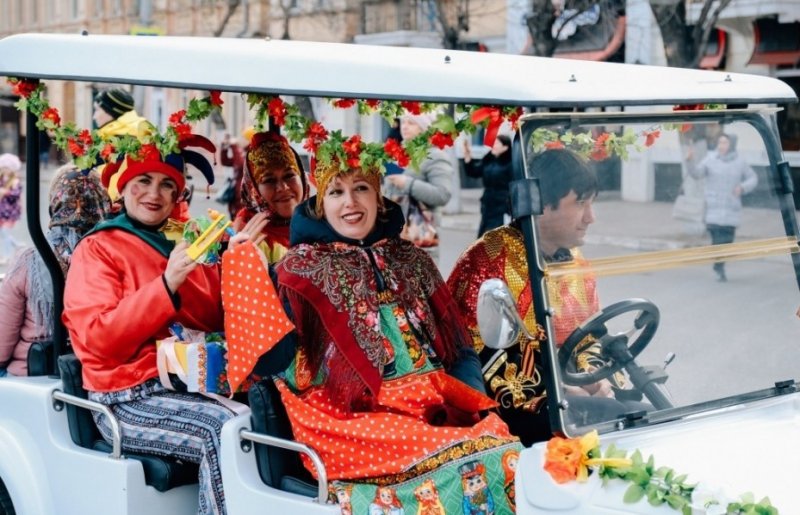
{"type": "Point", "coordinates": [254, 318]}
{"type": "Point", "coordinates": [395, 434]}
{"type": "Point", "coordinates": [116, 306]}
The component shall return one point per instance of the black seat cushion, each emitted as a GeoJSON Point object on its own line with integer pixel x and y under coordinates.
{"type": "Point", "coordinates": [159, 472]}
{"type": "Point", "coordinates": [279, 468]}
{"type": "Point", "coordinates": [40, 358]}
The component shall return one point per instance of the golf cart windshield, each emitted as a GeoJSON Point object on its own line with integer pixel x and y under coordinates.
{"type": "Point", "coordinates": [678, 292]}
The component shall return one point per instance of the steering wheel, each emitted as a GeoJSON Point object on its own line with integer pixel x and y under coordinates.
{"type": "Point", "coordinates": [616, 351]}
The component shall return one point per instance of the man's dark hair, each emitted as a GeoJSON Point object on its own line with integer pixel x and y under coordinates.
{"type": "Point", "coordinates": [561, 171]}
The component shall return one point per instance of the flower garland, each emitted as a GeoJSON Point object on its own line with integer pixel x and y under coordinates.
{"type": "Point", "coordinates": [352, 151]}
{"type": "Point", "coordinates": [570, 459]}
{"type": "Point", "coordinates": [86, 147]}
{"type": "Point", "coordinates": [608, 144]}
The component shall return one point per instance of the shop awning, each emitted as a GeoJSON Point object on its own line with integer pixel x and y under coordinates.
{"type": "Point", "coordinates": [776, 43]}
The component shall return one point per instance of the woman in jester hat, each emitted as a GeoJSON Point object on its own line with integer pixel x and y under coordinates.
{"type": "Point", "coordinates": [127, 284]}
{"type": "Point", "coordinates": [384, 385]}
{"type": "Point", "coordinates": [273, 185]}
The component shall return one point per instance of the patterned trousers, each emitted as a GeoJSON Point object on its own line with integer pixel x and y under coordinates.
{"type": "Point", "coordinates": [185, 426]}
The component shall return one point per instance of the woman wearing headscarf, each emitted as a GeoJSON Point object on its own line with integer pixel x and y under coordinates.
{"type": "Point", "coordinates": [430, 185]}
{"type": "Point", "coordinates": [77, 202]}
{"type": "Point", "coordinates": [10, 204]}
{"type": "Point", "coordinates": [127, 285]}
{"type": "Point", "coordinates": [273, 185]}
{"type": "Point", "coordinates": [727, 177]}
{"type": "Point", "coordinates": [376, 384]}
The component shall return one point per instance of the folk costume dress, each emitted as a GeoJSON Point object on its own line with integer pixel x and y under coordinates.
{"type": "Point", "coordinates": [116, 306]}
{"type": "Point", "coordinates": [368, 388]}
{"type": "Point", "coordinates": [515, 378]}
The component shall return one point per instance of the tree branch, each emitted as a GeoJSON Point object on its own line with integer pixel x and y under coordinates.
{"type": "Point", "coordinates": [232, 6]}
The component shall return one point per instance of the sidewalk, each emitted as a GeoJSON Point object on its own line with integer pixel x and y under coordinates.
{"type": "Point", "coordinates": [622, 223]}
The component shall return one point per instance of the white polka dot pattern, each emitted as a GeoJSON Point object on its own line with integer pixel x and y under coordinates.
{"type": "Point", "coordinates": [254, 317]}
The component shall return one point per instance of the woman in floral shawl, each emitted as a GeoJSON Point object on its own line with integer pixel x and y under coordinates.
{"type": "Point", "coordinates": [273, 185]}
{"type": "Point", "coordinates": [77, 202]}
{"type": "Point", "coordinates": [376, 384]}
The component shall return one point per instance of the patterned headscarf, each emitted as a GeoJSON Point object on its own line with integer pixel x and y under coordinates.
{"type": "Point", "coordinates": [78, 201]}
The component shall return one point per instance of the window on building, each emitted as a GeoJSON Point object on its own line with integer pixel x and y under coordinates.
{"type": "Point", "coordinates": [116, 7]}
{"type": "Point", "coordinates": [35, 12]}
{"type": "Point", "coordinates": [75, 9]}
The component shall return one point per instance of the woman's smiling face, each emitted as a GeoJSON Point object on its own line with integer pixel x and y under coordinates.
{"type": "Point", "coordinates": [350, 205]}
{"type": "Point", "coordinates": [149, 198]}
{"type": "Point", "coordinates": [282, 190]}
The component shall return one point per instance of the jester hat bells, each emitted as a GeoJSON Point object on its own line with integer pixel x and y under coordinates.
{"type": "Point", "coordinates": [268, 151]}
{"type": "Point", "coordinates": [148, 159]}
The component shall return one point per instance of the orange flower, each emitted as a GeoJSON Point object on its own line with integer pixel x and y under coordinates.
{"type": "Point", "coordinates": [51, 115]}
{"type": "Point", "coordinates": [651, 137]}
{"type": "Point", "coordinates": [568, 459]}
{"type": "Point", "coordinates": [550, 145]}
{"type": "Point", "coordinates": [563, 458]}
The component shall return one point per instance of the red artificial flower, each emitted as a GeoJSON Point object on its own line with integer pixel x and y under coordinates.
{"type": "Point", "coordinates": [315, 134]}
{"type": "Point", "coordinates": [23, 87]}
{"type": "Point", "coordinates": [75, 148]}
{"type": "Point", "coordinates": [85, 137]}
{"type": "Point", "coordinates": [651, 137]}
{"type": "Point", "coordinates": [352, 147]}
{"type": "Point", "coordinates": [216, 98]}
{"type": "Point", "coordinates": [277, 110]}
{"type": "Point", "coordinates": [149, 152]}
{"type": "Point", "coordinates": [344, 103]}
{"type": "Point", "coordinates": [108, 149]}
{"type": "Point", "coordinates": [51, 114]}
{"type": "Point", "coordinates": [411, 107]}
{"type": "Point", "coordinates": [182, 130]}
{"type": "Point", "coordinates": [396, 151]}
{"type": "Point", "coordinates": [601, 139]}
{"type": "Point", "coordinates": [689, 107]}
{"type": "Point", "coordinates": [177, 117]}
{"type": "Point", "coordinates": [441, 140]}
{"type": "Point", "coordinates": [551, 145]}
{"type": "Point", "coordinates": [373, 103]}
{"type": "Point", "coordinates": [353, 162]}
{"type": "Point", "coordinates": [513, 118]}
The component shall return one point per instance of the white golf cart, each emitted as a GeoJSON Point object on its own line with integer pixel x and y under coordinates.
{"type": "Point", "coordinates": [728, 414]}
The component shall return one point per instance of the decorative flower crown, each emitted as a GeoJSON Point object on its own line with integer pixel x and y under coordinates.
{"type": "Point", "coordinates": [86, 147]}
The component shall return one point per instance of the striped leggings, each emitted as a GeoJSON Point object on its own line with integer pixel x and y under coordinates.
{"type": "Point", "coordinates": [185, 426]}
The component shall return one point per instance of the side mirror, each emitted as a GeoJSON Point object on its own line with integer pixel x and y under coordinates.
{"type": "Point", "coordinates": [498, 320]}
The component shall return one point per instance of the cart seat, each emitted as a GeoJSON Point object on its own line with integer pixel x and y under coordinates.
{"type": "Point", "coordinates": [161, 473]}
{"type": "Point", "coordinates": [278, 468]}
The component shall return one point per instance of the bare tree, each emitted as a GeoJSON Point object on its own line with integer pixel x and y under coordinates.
{"type": "Point", "coordinates": [684, 44]}
{"type": "Point", "coordinates": [232, 6]}
{"type": "Point", "coordinates": [453, 16]}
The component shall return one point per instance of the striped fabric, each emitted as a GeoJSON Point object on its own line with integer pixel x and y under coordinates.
{"type": "Point", "coordinates": [185, 426]}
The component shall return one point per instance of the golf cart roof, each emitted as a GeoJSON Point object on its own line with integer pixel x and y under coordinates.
{"type": "Point", "coordinates": [363, 71]}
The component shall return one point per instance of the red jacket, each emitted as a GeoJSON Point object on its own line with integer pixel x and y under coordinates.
{"type": "Point", "coordinates": [116, 306]}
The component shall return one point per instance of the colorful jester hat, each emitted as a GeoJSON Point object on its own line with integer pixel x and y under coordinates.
{"type": "Point", "coordinates": [146, 158]}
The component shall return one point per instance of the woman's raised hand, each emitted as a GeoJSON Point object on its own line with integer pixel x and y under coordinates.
{"type": "Point", "coordinates": [179, 265]}
{"type": "Point", "coordinates": [252, 230]}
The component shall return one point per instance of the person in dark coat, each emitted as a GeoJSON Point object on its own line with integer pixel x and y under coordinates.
{"type": "Point", "coordinates": [495, 170]}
